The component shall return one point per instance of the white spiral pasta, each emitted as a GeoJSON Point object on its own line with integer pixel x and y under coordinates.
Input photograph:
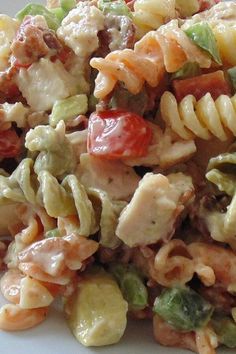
{"type": "Point", "coordinates": [225, 35]}
{"type": "Point", "coordinates": [203, 118]}
{"type": "Point", "coordinates": [151, 14]}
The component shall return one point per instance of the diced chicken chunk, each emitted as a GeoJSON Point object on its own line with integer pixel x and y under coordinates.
{"type": "Point", "coordinates": [118, 180]}
{"type": "Point", "coordinates": [14, 113]}
{"type": "Point", "coordinates": [152, 213]}
{"type": "Point", "coordinates": [44, 83]}
{"type": "Point", "coordinates": [80, 27]}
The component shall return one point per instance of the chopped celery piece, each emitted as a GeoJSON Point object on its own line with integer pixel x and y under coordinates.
{"type": "Point", "coordinates": [68, 108]}
{"type": "Point", "coordinates": [53, 233]}
{"type": "Point", "coordinates": [188, 70]}
{"type": "Point", "coordinates": [183, 309]}
{"type": "Point", "coordinates": [232, 76]}
{"type": "Point", "coordinates": [59, 13]}
{"type": "Point", "coordinates": [67, 5]}
{"type": "Point", "coordinates": [225, 329]}
{"type": "Point", "coordinates": [117, 7]}
{"type": "Point", "coordinates": [131, 285]}
{"type": "Point", "coordinates": [37, 9]}
{"type": "Point", "coordinates": [201, 34]}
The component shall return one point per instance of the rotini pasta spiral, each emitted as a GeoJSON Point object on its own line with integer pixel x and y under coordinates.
{"type": "Point", "coordinates": [67, 198]}
{"type": "Point", "coordinates": [174, 266]}
{"type": "Point", "coordinates": [226, 39]}
{"type": "Point", "coordinates": [204, 118]}
{"type": "Point", "coordinates": [168, 49]}
{"type": "Point", "coordinates": [221, 19]}
{"type": "Point", "coordinates": [151, 14]}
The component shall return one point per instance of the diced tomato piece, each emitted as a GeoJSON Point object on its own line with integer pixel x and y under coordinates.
{"type": "Point", "coordinates": [115, 134]}
{"type": "Point", "coordinates": [207, 4]}
{"type": "Point", "coordinates": [10, 144]}
{"type": "Point", "coordinates": [214, 83]}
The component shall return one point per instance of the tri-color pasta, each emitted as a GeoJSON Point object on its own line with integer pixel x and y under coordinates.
{"type": "Point", "coordinates": [118, 188]}
{"type": "Point", "coordinates": [170, 49]}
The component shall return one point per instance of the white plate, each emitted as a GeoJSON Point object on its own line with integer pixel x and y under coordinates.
{"type": "Point", "coordinates": [53, 336]}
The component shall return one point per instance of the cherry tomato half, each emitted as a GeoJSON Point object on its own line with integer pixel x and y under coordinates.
{"type": "Point", "coordinates": [115, 134]}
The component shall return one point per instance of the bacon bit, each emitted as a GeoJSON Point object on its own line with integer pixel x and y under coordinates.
{"type": "Point", "coordinates": [10, 144]}
{"type": "Point", "coordinates": [33, 42]}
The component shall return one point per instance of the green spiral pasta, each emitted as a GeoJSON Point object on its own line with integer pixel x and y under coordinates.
{"type": "Point", "coordinates": [65, 199]}
{"type": "Point", "coordinates": [222, 173]}
{"type": "Point", "coordinates": [55, 151]}
{"type": "Point", "coordinates": [108, 212]}
{"type": "Point", "coordinates": [203, 118]}
{"type": "Point", "coordinates": [59, 200]}
{"type": "Point", "coordinates": [20, 185]}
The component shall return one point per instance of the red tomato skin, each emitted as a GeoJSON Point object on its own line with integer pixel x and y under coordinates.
{"type": "Point", "coordinates": [207, 4]}
{"type": "Point", "coordinates": [116, 134]}
{"type": "Point", "coordinates": [10, 144]}
{"type": "Point", "coordinates": [214, 83]}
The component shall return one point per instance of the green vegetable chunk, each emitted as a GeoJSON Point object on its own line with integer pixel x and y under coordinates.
{"type": "Point", "coordinates": [37, 9]}
{"type": "Point", "coordinates": [53, 233]}
{"type": "Point", "coordinates": [183, 309]}
{"type": "Point", "coordinates": [131, 285]}
{"type": "Point", "coordinates": [68, 108]}
{"type": "Point", "coordinates": [232, 76]}
{"type": "Point", "coordinates": [118, 7]}
{"type": "Point", "coordinates": [59, 13]}
{"type": "Point", "coordinates": [202, 35]}
{"type": "Point", "coordinates": [122, 98]}
{"type": "Point", "coordinates": [188, 70]}
{"type": "Point", "coordinates": [67, 5]}
{"type": "Point", "coordinates": [225, 329]}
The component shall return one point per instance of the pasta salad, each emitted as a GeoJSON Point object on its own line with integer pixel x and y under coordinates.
{"type": "Point", "coordinates": [117, 177]}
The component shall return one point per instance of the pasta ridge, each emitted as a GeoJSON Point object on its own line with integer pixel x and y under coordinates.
{"type": "Point", "coordinates": [166, 49]}
{"type": "Point", "coordinates": [204, 118]}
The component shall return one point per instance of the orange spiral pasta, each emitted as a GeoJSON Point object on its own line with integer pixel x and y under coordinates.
{"type": "Point", "coordinates": [168, 49]}
{"type": "Point", "coordinates": [174, 265]}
